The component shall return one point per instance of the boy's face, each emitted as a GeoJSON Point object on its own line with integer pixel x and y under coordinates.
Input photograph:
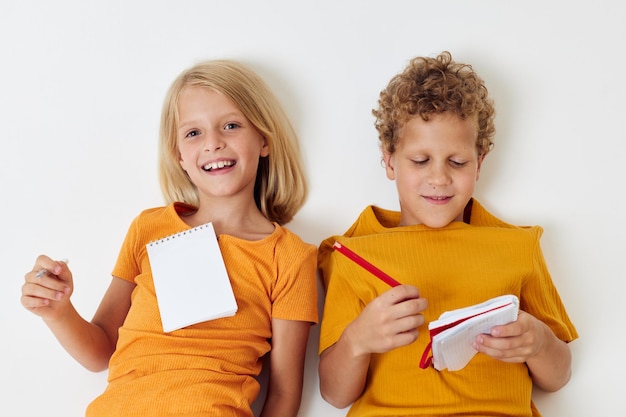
{"type": "Point", "coordinates": [435, 166]}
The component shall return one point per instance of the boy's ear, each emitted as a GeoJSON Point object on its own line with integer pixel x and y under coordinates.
{"type": "Point", "coordinates": [389, 165]}
{"type": "Point", "coordinates": [481, 158]}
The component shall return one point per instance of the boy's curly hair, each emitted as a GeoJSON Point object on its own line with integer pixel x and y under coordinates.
{"type": "Point", "coordinates": [434, 85]}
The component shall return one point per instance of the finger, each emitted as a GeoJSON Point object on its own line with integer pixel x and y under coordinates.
{"type": "Point", "coordinates": [406, 338]}
{"type": "Point", "coordinates": [55, 277]}
{"type": "Point", "coordinates": [513, 329]}
{"type": "Point", "coordinates": [407, 324]}
{"type": "Point", "coordinates": [46, 281]}
{"type": "Point", "coordinates": [37, 275]}
{"type": "Point", "coordinates": [387, 341]}
{"type": "Point", "coordinates": [43, 262]}
{"type": "Point", "coordinates": [516, 355]}
{"type": "Point", "coordinates": [509, 330]}
{"type": "Point", "coordinates": [32, 303]}
{"type": "Point", "coordinates": [409, 311]}
{"type": "Point", "coordinates": [47, 266]}
{"type": "Point", "coordinates": [400, 293]}
{"type": "Point", "coordinates": [53, 293]}
{"type": "Point", "coordinates": [495, 343]}
{"type": "Point", "coordinates": [509, 348]}
{"type": "Point", "coordinates": [413, 306]}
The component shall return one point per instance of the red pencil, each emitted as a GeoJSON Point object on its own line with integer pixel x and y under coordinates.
{"type": "Point", "coordinates": [365, 264]}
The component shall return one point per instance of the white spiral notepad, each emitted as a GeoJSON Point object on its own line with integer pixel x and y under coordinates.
{"type": "Point", "coordinates": [453, 333]}
{"type": "Point", "coordinates": [190, 278]}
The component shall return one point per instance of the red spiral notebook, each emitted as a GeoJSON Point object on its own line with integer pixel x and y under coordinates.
{"type": "Point", "coordinates": [451, 336]}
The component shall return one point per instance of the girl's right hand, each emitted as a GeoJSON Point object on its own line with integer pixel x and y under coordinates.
{"type": "Point", "coordinates": [47, 288]}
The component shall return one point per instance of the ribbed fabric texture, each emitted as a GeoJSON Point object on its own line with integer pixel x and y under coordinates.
{"type": "Point", "coordinates": [455, 266]}
{"type": "Point", "coordinates": [207, 369]}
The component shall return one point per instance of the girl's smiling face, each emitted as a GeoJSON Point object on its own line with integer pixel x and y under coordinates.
{"type": "Point", "coordinates": [435, 166]}
{"type": "Point", "coordinates": [219, 148]}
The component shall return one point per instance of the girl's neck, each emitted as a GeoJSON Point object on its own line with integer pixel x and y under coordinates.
{"type": "Point", "coordinates": [243, 220]}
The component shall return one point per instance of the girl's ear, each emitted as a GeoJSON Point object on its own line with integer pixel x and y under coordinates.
{"type": "Point", "coordinates": [181, 162]}
{"type": "Point", "coordinates": [389, 165]}
{"type": "Point", "coordinates": [265, 148]}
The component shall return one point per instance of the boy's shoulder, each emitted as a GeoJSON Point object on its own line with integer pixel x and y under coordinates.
{"type": "Point", "coordinates": [374, 221]}
{"type": "Point", "coordinates": [371, 221]}
{"type": "Point", "coordinates": [481, 217]}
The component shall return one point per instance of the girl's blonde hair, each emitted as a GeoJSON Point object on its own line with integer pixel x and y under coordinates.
{"type": "Point", "coordinates": [280, 189]}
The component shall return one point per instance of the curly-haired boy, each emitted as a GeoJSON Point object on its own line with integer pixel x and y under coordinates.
{"type": "Point", "coordinates": [436, 125]}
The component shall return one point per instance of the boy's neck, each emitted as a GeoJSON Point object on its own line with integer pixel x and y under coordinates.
{"type": "Point", "coordinates": [467, 212]}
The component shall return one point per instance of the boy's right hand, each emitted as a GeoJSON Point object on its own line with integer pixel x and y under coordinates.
{"type": "Point", "coordinates": [47, 293]}
{"type": "Point", "coordinates": [388, 322]}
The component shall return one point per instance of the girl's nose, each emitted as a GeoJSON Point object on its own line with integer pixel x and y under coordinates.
{"type": "Point", "coordinates": [213, 142]}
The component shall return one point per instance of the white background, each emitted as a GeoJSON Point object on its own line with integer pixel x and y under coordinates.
{"type": "Point", "coordinates": [81, 87]}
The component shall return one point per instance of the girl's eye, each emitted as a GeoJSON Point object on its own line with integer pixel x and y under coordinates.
{"type": "Point", "coordinates": [420, 161]}
{"type": "Point", "coordinates": [192, 134]}
{"type": "Point", "coordinates": [231, 126]}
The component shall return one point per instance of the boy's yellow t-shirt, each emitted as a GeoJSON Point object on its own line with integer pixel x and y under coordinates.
{"type": "Point", "coordinates": [453, 267]}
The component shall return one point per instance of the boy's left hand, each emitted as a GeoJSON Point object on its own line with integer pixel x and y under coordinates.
{"type": "Point", "coordinates": [514, 342]}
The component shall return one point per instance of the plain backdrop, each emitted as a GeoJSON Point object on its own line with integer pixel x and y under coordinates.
{"type": "Point", "coordinates": [81, 88]}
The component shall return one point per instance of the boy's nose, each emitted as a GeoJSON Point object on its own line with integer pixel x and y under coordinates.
{"type": "Point", "coordinates": [438, 175]}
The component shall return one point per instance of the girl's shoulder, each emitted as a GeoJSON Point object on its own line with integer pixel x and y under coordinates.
{"type": "Point", "coordinates": [157, 222]}
{"type": "Point", "coordinates": [286, 236]}
{"type": "Point", "coordinates": [285, 244]}
{"type": "Point", "coordinates": [170, 213]}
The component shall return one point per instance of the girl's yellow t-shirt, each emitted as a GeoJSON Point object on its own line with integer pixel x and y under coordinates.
{"type": "Point", "coordinates": [207, 369]}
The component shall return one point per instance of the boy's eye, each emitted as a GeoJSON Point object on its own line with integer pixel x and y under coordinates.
{"type": "Point", "coordinates": [458, 163]}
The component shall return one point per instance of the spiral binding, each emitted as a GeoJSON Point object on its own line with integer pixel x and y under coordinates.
{"type": "Point", "coordinates": [179, 234]}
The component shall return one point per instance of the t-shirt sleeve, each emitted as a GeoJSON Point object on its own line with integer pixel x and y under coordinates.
{"type": "Point", "coordinates": [295, 295]}
{"type": "Point", "coordinates": [343, 302]}
{"type": "Point", "coordinates": [127, 266]}
{"type": "Point", "coordinates": [540, 297]}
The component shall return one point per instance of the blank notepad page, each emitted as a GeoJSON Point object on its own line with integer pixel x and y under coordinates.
{"type": "Point", "coordinates": [190, 278]}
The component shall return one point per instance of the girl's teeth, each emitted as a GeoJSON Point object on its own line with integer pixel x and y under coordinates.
{"type": "Point", "coordinates": [217, 165]}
